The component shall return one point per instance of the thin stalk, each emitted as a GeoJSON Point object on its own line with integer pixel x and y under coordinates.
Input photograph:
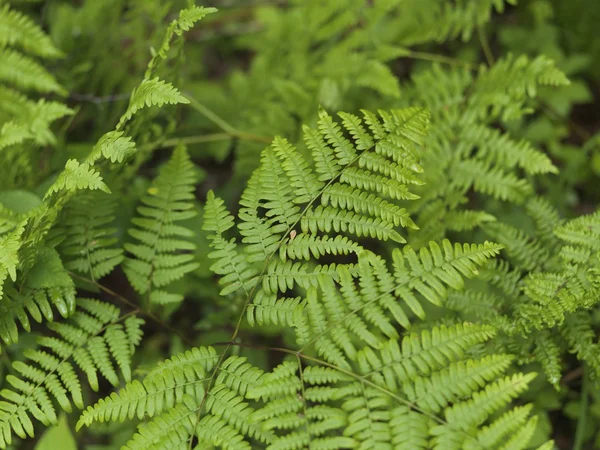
{"type": "Point", "coordinates": [582, 422]}
{"type": "Point", "coordinates": [434, 57]}
{"type": "Point", "coordinates": [485, 46]}
{"type": "Point", "coordinates": [223, 124]}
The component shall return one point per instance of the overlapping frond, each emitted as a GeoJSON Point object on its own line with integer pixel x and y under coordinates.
{"type": "Point", "coordinates": [576, 285]}
{"type": "Point", "coordinates": [47, 287]}
{"type": "Point", "coordinates": [366, 385]}
{"type": "Point", "coordinates": [93, 341]}
{"type": "Point", "coordinates": [414, 388]}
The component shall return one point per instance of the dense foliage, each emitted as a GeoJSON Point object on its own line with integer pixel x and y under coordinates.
{"type": "Point", "coordinates": [299, 224]}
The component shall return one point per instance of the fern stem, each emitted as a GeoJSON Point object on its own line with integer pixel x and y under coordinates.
{"type": "Point", "coordinates": [434, 57]}
{"type": "Point", "coordinates": [174, 142]}
{"type": "Point", "coordinates": [582, 421]}
{"type": "Point", "coordinates": [485, 46]}
{"type": "Point", "coordinates": [223, 124]}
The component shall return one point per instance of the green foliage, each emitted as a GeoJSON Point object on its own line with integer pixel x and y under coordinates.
{"type": "Point", "coordinates": [160, 256]}
{"type": "Point", "coordinates": [342, 224]}
{"type": "Point", "coordinates": [89, 340]}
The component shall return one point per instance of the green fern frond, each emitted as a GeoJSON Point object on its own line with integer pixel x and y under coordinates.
{"type": "Point", "coordinates": [545, 217]}
{"type": "Point", "coordinates": [496, 148]}
{"type": "Point", "coordinates": [88, 247]}
{"type": "Point", "coordinates": [88, 340]}
{"type": "Point", "coordinates": [491, 181]}
{"type": "Point", "coordinates": [236, 273]}
{"type": "Point", "coordinates": [268, 309]}
{"type": "Point", "coordinates": [33, 123]}
{"type": "Point", "coordinates": [548, 353]}
{"type": "Point", "coordinates": [161, 253]}
{"type": "Point", "coordinates": [46, 286]}
{"type": "Point", "coordinates": [434, 267]}
{"type": "Point", "coordinates": [114, 146]}
{"type": "Point", "coordinates": [439, 21]}
{"type": "Point", "coordinates": [154, 92]}
{"type": "Point", "coordinates": [76, 176]}
{"type": "Point", "coordinates": [9, 256]}
{"type": "Point", "coordinates": [186, 20]}
{"type": "Point", "coordinates": [574, 284]}
{"type": "Point", "coordinates": [307, 246]}
{"type": "Point", "coordinates": [467, 220]}
{"type": "Point", "coordinates": [170, 429]}
{"type": "Point", "coordinates": [25, 73]}
{"type": "Point", "coordinates": [504, 88]}
{"type": "Point", "coordinates": [16, 29]}
{"type": "Point", "coordinates": [525, 251]}
{"type": "Point", "coordinates": [166, 385]}
{"type": "Point", "coordinates": [582, 339]}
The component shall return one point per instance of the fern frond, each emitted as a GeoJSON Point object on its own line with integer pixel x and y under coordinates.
{"type": "Point", "coordinates": [496, 148]}
{"type": "Point", "coordinates": [89, 244]}
{"type": "Point", "coordinates": [46, 286]}
{"type": "Point", "coordinates": [503, 89]}
{"type": "Point", "coordinates": [33, 123]}
{"type": "Point", "coordinates": [434, 267]}
{"type": "Point", "coordinates": [76, 176]}
{"type": "Point", "coordinates": [170, 429]}
{"type": "Point", "coordinates": [160, 255]}
{"type": "Point", "coordinates": [268, 309]}
{"type": "Point", "coordinates": [525, 251]}
{"type": "Point", "coordinates": [25, 73]}
{"type": "Point", "coordinates": [154, 92]}
{"type": "Point", "coordinates": [9, 256]}
{"type": "Point", "coordinates": [167, 384]}
{"type": "Point", "coordinates": [114, 146]}
{"type": "Point", "coordinates": [16, 29]}
{"type": "Point", "coordinates": [492, 181]}
{"type": "Point", "coordinates": [305, 246]}
{"type": "Point", "coordinates": [235, 271]}
{"type": "Point", "coordinates": [186, 20]}
{"type": "Point", "coordinates": [88, 340]}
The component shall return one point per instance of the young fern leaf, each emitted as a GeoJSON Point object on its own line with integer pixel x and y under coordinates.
{"type": "Point", "coordinates": [161, 253]}
{"type": "Point", "coordinates": [154, 92]}
{"type": "Point", "coordinates": [77, 176]}
{"type": "Point", "coordinates": [89, 340]}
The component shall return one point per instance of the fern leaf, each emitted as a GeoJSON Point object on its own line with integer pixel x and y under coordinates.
{"type": "Point", "coordinates": [114, 146]}
{"type": "Point", "coordinates": [89, 245]}
{"type": "Point", "coordinates": [154, 92]}
{"type": "Point", "coordinates": [160, 255]}
{"type": "Point", "coordinates": [167, 384]}
{"type": "Point", "coordinates": [77, 176]}
{"type": "Point", "coordinates": [16, 29]}
{"type": "Point", "coordinates": [231, 265]}
{"type": "Point", "coordinates": [25, 73]}
{"type": "Point", "coordinates": [48, 375]}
